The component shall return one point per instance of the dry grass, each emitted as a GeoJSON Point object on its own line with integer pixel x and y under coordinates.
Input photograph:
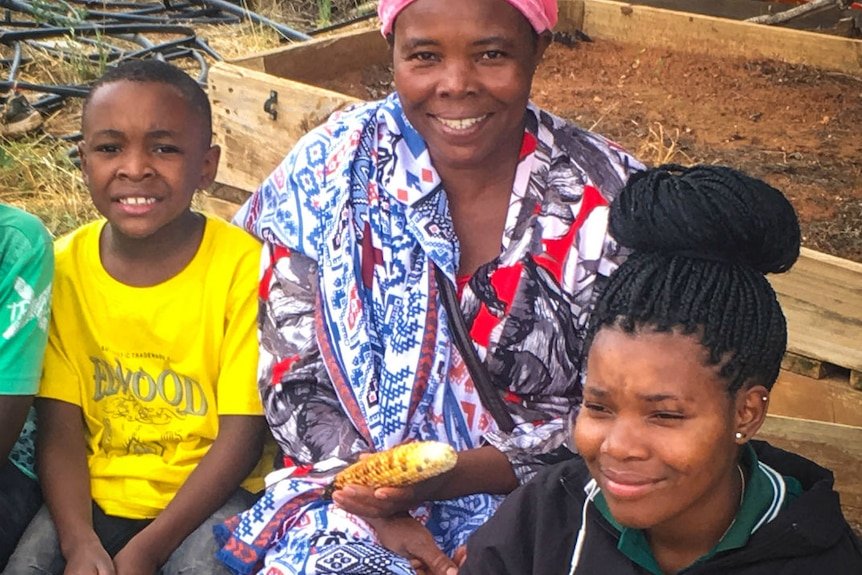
{"type": "Point", "coordinates": [37, 175]}
{"type": "Point", "coordinates": [48, 68]}
{"type": "Point", "coordinates": [234, 41]}
{"type": "Point", "coordinates": [309, 14]}
{"type": "Point", "coordinates": [36, 172]}
{"type": "Point", "coordinates": [660, 147]}
{"type": "Point", "coordinates": [239, 40]}
{"type": "Point", "coordinates": [839, 233]}
{"type": "Point", "coordinates": [655, 146]}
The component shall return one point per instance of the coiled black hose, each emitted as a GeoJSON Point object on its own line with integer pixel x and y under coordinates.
{"type": "Point", "coordinates": [100, 23]}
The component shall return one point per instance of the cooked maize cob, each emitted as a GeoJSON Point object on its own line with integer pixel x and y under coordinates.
{"type": "Point", "coordinates": [402, 465]}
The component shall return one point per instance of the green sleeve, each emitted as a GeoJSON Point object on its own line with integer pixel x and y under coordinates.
{"type": "Point", "coordinates": [26, 273]}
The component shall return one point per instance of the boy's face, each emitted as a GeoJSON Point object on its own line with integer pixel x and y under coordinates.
{"type": "Point", "coordinates": [143, 155]}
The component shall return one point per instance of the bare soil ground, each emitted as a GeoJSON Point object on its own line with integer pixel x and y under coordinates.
{"type": "Point", "coordinates": [798, 128]}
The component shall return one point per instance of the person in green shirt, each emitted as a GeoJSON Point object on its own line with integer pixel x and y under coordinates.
{"type": "Point", "coordinates": [26, 272]}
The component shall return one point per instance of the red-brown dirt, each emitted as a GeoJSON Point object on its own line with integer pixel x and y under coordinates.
{"type": "Point", "coordinates": [798, 128]}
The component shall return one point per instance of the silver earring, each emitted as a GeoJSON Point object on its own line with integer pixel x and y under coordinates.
{"type": "Point", "coordinates": [765, 398]}
{"type": "Point", "coordinates": [739, 435]}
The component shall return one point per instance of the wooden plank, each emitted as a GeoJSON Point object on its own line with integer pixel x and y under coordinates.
{"type": "Point", "coordinates": [830, 399]}
{"type": "Point", "coordinates": [323, 59]}
{"type": "Point", "coordinates": [848, 438]}
{"type": "Point", "coordinates": [229, 193]}
{"type": "Point", "coordinates": [253, 143]}
{"type": "Point", "coordinates": [218, 207]}
{"type": "Point", "coordinates": [256, 61]}
{"type": "Point", "coordinates": [655, 27]}
{"type": "Point", "coordinates": [806, 366]}
{"type": "Point", "coordinates": [836, 447]}
{"type": "Point", "coordinates": [822, 299]}
{"type": "Point", "coordinates": [733, 9]}
{"type": "Point", "coordinates": [745, 9]}
{"type": "Point", "coordinates": [570, 15]}
{"type": "Point", "coordinates": [849, 269]}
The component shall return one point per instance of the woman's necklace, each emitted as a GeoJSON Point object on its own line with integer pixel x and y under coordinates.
{"type": "Point", "coordinates": [741, 497]}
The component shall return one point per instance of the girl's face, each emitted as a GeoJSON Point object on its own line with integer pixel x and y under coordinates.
{"type": "Point", "coordinates": [657, 429]}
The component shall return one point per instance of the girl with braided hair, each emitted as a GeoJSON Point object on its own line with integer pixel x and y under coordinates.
{"type": "Point", "coordinates": [684, 347]}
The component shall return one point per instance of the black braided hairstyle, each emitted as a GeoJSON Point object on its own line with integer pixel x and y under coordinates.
{"type": "Point", "coordinates": [703, 239]}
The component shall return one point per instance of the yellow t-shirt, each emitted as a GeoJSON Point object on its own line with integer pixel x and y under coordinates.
{"type": "Point", "coordinates": [152, 368]}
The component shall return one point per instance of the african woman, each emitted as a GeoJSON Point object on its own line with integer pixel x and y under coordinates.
{"type": "Point", "coordinates": [455, 184]}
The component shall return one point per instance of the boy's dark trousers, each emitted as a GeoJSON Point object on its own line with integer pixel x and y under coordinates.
{"type": "Point", "coordinates": [39, 550]}
{"type": "Point", "coordinates": [20, 499]}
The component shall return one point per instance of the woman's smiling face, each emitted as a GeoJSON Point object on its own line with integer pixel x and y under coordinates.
{"type": "Point", "coordinates": [463, 72]}
{"type": "Point", "coordinates": [657, 428]}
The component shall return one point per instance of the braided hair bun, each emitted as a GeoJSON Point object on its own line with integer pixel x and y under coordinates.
{"type": "Point", "coordinates": [702, 240]}
{"type": "Point", "coordinates": [713, 212]}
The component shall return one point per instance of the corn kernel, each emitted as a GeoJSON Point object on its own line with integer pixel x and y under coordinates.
{"type": "Point", "coordinates": [400, 466]}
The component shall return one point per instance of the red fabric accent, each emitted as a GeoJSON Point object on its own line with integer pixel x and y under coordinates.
{"type": "Point", "coordinates": [282, 367]}
{"type": "Point", "coordinates": [482, 326]}
{"type": "Point", "coordinates": [592, 199]}
{"type": "Point", "coordinates": [300, 470]}
{"type": "Point", "coordinates": [557, 250]}
{"type": "Point", "coordinates": [263, 286]}
{"type": "Point", "coordinates": [470, 411]}
{"type": "Point", "coordinates": [277, 253]}
{"type": "Point", "coordinates": [512, 397]}
{"type": "Point", "coordinates": [528, 145]}
{"type": "Point", "coordinates": [505, 283]}
{"type": "Point", "coordinates": [371, 257]}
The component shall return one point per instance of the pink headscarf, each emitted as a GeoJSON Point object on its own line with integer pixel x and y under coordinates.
{"type": "Point", "coordinates": [542, 14]}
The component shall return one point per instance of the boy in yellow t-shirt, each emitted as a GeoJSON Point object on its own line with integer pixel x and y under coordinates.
{"type": "Point", "coordinates": [150, 418]}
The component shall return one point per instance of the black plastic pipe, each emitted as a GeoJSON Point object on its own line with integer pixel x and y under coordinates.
{"type": "Point", "coordinates": [73, 91]}
{"type": "Point", "coordinates": [284, 31]}
{"type": "Point", "coordinates": [9, 36]}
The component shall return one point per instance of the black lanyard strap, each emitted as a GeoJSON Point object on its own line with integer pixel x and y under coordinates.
{"type": "Point", "coordinates": [488, 394]}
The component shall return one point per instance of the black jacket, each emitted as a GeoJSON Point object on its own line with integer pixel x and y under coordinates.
{"type": "Point", "coordinates": [534, 531]}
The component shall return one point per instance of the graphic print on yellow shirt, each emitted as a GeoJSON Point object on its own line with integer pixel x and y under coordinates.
{"type": "Point", "coordinates": [152, 368]}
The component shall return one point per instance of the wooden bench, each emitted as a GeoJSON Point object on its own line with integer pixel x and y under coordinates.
{"type": "Point", "coordinates": [822, 299]}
